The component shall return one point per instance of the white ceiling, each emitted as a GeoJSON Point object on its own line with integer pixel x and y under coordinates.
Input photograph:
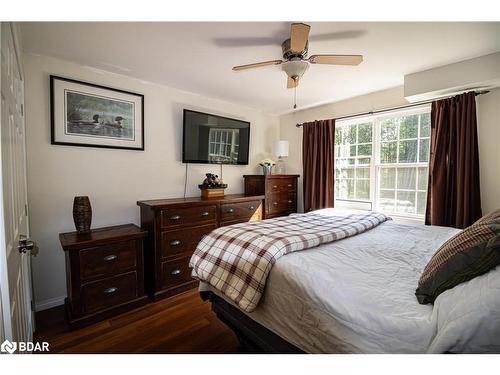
{"type": "Point", "coordinates": [198, 57]}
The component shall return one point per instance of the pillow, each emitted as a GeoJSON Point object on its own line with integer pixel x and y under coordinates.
{"type": "Point", "coordinates": [467, 317]}
{"type": "Point", "coordinates": [468, 254]}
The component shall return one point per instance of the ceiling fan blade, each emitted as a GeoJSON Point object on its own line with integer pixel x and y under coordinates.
{"type": "Point", "coordinates": [336, 59]}
{"type": "Point", "coordinates": [291, 83]}
{"type": "Point", "coordinates": [299, 32]}
{"type": "Point", "coordinates": [256, 65]}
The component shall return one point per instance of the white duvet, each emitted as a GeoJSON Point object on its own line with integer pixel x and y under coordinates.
{"type": "Point", "coordinates": [357, 296]}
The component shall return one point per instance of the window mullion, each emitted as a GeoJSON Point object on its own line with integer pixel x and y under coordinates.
{"type": "Point", "coordinates": [374, 168]}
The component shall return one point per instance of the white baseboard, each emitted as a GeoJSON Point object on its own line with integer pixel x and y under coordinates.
{"type": "Point", "coordinates": [49, 303]}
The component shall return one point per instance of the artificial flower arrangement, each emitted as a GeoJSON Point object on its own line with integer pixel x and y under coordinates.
{"type": "Point", "coordinates": [267, 166]}
{"type": "Point", "coordinates": [267, 163]}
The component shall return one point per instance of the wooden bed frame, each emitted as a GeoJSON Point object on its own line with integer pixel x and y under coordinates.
{"type": "Point", "coordinates": [252, 336]}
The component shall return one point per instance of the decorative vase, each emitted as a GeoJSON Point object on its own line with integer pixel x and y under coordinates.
{"type": "Point", "coordinates": [267, 169]}
{"type": "Point", "coordinates": [82, 214]}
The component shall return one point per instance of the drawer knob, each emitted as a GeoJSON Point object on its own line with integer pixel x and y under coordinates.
{"type": "Point", "coordinates": [175, 243]}
{"type": "Point", "coordinates": [290, 201]}
{"type": "Point", "coordinates": [175, 272]}
{"type": "Point", "coordinates": [275, 203]}
{"type": "Point", "coordinates": [290, 185]}
{"type": "Point", "coordinates": [205, 213]}
{"type": "Point", "coordinates": [175, 217]}
{"type": "Point", "coordinates": [111, 290]}
{"type": "Point", "coordinates": [275, 186]}
{"type": "Point", "coordinates": [251, 208]}
{"type": "Point", "coordinates": [230, 210]}
{"type": "Point", "coordinates": [108, 258]}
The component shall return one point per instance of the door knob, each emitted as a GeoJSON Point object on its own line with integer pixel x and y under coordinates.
{"type": "Point", "coordinates": [26, 244]}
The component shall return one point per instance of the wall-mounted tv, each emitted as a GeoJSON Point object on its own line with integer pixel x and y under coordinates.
{"type": "Point", "coordinates": [213, 139]}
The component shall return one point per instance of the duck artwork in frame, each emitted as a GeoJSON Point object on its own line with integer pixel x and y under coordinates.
{"type": "Point", "coordinates": [90, 115]}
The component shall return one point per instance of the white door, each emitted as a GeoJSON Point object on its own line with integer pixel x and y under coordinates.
{"type": "Point", "coordinates": [15, 262]}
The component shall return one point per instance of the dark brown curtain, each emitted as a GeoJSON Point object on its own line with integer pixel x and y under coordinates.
{"type": "Point", "coordinates": [453, 198]}
{"type": "Point", "coordinates": [317, 158]}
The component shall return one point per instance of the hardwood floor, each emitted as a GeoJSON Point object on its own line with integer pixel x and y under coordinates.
{"type": "Point", "coordinates": [181, 324]}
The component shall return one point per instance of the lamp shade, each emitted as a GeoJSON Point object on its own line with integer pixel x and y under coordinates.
{"type": "Point", "coordinates": [281, 148]}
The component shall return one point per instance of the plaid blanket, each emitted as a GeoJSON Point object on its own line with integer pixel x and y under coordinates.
{"type": "Point", "coordinates": [237, 259]}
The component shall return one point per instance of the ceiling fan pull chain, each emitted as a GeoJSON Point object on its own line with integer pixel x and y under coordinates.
{"type": "Point", "coordinates": [295, 97]}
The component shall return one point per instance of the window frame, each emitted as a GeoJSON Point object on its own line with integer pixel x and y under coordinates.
{"type": "Point", "coordinates": [375, 165]}
{"type": "Point", "coordinates": [358, 121]}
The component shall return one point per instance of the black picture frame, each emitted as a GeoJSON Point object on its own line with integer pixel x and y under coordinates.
{"type": "Point", "coordinates": [53, 116]}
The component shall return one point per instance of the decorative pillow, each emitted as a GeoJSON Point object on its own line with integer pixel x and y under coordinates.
{"type": "Point", "coordinates": [468, 254]}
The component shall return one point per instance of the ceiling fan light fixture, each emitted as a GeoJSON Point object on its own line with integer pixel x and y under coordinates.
{"type": "Point", "coordinates": [295, 68]}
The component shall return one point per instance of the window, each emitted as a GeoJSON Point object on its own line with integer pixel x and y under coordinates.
{"type": "Point", "coordinates": [384, 160]}
{"type": "Point", "coordinates": [353, 152]}
{"type": "Point", "coordinates": [223, 145]}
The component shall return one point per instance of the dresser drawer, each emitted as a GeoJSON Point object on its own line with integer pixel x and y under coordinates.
{"type": "Point", "coordinates": [284, 202]}
{"type": "Point", "coordinates": [281, 184]}
{"type": "Point", "coordinates": [175, 272]}
{"type": "Point", "coordinates": [251, 210]}
{"type": "Point", "coordinates": [107, 260]}
{"type": "Point", "coordinates": [179, 241]}
{"type": "Point", "coordinates": [188, 216]}
{"type": "Point", "coordinates": [109, 292]}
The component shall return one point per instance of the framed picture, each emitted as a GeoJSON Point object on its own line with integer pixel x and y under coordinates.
{"type": "Point", "coordinates": [84, 114]}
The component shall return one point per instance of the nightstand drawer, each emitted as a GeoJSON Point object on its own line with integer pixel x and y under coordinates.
{"type": "Point", "coordinates": [188, 216]}
{"type": "Point", "coordinates": [275, 185]}
{"type": "Point", "coordinates": [108, 260]}
{"type": "Point", "coordinates": [176, 272]}
{"type": "Point", "coordinates": [109, 292]}
{"type": "Point", "coordinates": [179, 241]}
{"type": "Point", "coordinates": [251, 210]}
{"type": "Point", "coordinates": [281, 202]}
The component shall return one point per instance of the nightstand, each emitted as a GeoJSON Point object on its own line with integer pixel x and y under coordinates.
{"type": "Point", "coordinates": [104, 272]}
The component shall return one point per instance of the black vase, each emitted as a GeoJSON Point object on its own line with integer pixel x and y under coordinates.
{"type": "Point", "coordinates": [82, 214]}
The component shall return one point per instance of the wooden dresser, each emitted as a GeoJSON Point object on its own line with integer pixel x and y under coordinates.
{"type": "Point", "coordinates": [175, 227]}
{"type": "Point", "coordinates": [104, 272]}
{"type": "Point", "coordinates": [280, 191]}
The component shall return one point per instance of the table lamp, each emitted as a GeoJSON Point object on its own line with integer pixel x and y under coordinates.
{"type": "Point", "coordinates": [281, 151]}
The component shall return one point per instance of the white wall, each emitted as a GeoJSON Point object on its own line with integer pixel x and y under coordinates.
{"type": "Point", "coordinates": [114, 179]}
{"type": "Point", "coordinates": [479, 73]}
{"type": "Point", "coordinates": [488, 124]}
{"type": "Point", "coordinates": [488, 115]}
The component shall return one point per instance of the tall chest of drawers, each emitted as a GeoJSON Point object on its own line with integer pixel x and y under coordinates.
{"type": "Point", "coordinates": [280, 192]}
{"type": "Point", "coordinates": [175, 226]}
{"type": "Point", "coordinates": [104, 272]}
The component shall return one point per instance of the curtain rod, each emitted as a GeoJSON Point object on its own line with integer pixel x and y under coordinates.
{"type": "Point", "coordinates": [393, 109]}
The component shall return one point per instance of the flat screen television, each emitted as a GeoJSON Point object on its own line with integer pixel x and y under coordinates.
{"type": "Point", "coordinates": [213, 139]}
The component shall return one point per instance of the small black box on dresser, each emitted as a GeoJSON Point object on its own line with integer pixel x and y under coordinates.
{"type": "Point", "coordinates": [104, 272]}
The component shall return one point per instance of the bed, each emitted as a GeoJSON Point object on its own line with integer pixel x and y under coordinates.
{"type": "Point", "coordinates": [356, 295]}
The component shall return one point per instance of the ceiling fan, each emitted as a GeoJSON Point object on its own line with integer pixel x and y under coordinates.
{"type": "Point", "coordinates": [295, 61]}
